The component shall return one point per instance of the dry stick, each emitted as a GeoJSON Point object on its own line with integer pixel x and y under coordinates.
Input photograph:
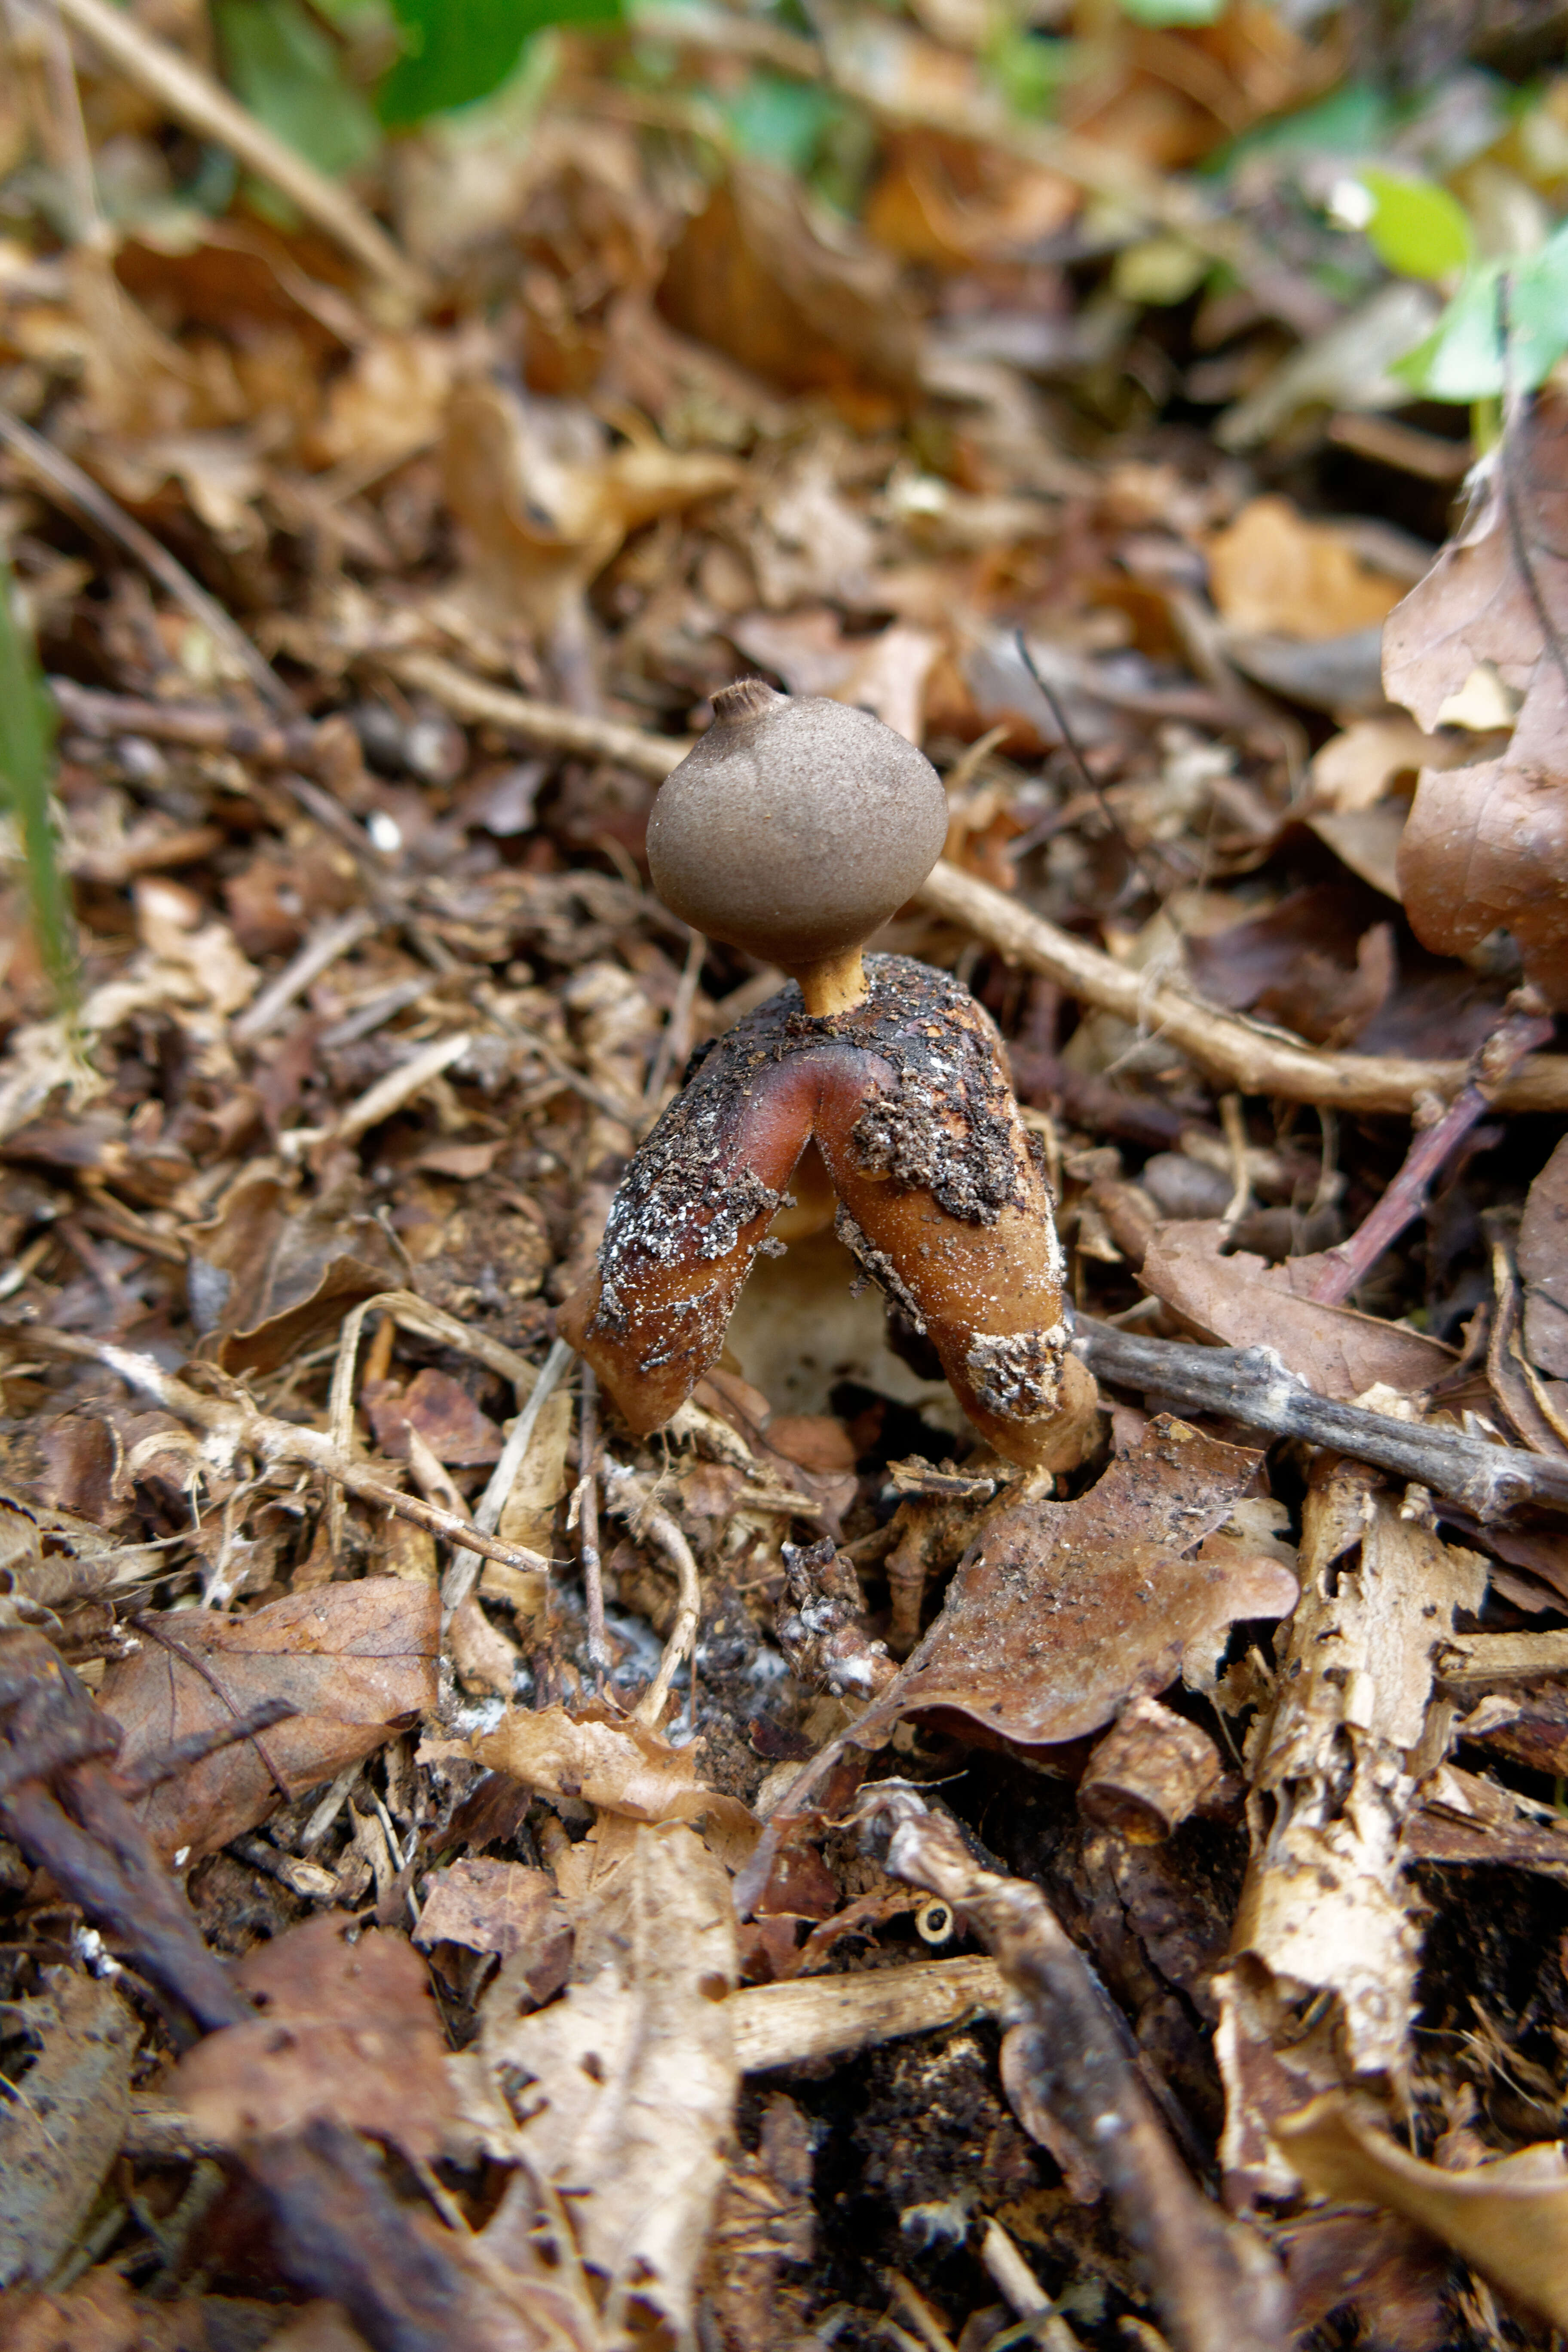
{"type": "Point", "coordinates": [95, 506]}
{"type": "Point", "coordinates": [588, 1523]}
{"type": "Point", "coordinates": [1241, 1054]}
{"type": "Point", "coordinates": [236, 1426]}
{"type": "Point", "coordinates": [194, 98]}
{"type": "Point", "coordinates": [624, 1495]}
{"type": "Point", "coordinates": [1216, 2288]}
{"type": "Point", "coordinates": [458, 1581]}
{"type": "Point", "coordinates": [675, 1042]}
{"type": "Point", "coordinates": [1252, 1385]}
{"type": "Point", "coordinates": [1348, 1261]}
{"type": "Point", "coordinates": [319, 953]}
{"type": "Point", "coordinates": [200, 726]}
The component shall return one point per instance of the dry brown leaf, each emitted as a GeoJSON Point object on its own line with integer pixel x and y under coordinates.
{"type": "Point", "coordinates": [1325, 1908]}
{"type": "Point", "coordinates": [493, 1906]}
{"type": "Point", "coordinates": [1317, 962]}
{"type": "Point", "coordinates": [269, 1278]}
{"type": "Point", "coordinates": [358, 1660]}
{"type": "Point", "coordinates": [1063, 1608]}
{"type": "Point", "coordinates": [795, 296]}
{"type": "Point", "coordinates": [1543, 1266]}
{"type": "Point", "coordinates": [622, 2092]}
{"type": "Point", "coordinates": [614, 1763]}
{"type": "Point", "coordinates": [171, 922]}
{"type": "Point", "coordinates": [346, 2031]}
{"type": "Point", "coordinates": [62, 2119]}
{"type": "Point", "coordinates": [544, 502]}
{"type": "Point", "coordinates": [1247, 1304]}
{"type": "Point", "coordinates": [1487, 844]}
{"type": "Point", "coordinates": [1510, 2217]}
{"type": "Point", "coordinates": [441, 1411]}
{"type": "Point", "coordinates": [1272, 572]}
{"type": "Point", "coordinates": [885, 674]}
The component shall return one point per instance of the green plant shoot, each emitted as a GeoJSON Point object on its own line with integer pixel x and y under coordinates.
{"type": "Point", "coordinates": [26, 730]}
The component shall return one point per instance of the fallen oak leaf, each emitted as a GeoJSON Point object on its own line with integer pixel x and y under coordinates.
{"type": "Point", "coordinates": [622, 2094]}
{"type": "Point", "coordinates": [1061, 1609]}
{"type": "Point", "coordinates": [614, 1763]}
{"type": "Point", "coordinates": [1243, 1302]}
{"type": "Point", "coordinates": [347, 2031]}
{"type": "Point", "coordinates": [1508, 2218]}
{"type": "Point", "coordinates": [1485, 846]}
{"type": "Point", "coordinates": [356, 1660]}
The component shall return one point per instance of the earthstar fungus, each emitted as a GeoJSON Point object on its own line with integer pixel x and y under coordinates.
{"type": "Point", "coordinates": [794, 830]}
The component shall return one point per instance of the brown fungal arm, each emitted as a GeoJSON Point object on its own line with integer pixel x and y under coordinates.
{"type": "Point", "coordinates": [945, 1206]}
{"type": "Point", "coordinates": [696, 1203]}
{"type": "Point", "coordinates": [942, 1201]}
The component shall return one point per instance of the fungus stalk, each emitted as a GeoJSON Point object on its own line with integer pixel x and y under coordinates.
{"type": "Point", "coordinates": [794, 830]}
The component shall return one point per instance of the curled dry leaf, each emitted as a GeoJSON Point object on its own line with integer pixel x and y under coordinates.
{"type": "Point", "coordinates": [1062, 1609]}
{"type": "Point", "coordinates": [358, 1661]}
{"type": "Point", "coordinates": [1543, 1266]}
{"type": "Point", "coordinates": [1272, 572]}
{"type": "Point", "coordinates": [346, 2031]}
{"type": "Point", "coordinates": [269, 1278]}
{"type": "Point", "coordinates": [614, 1763]}
{"type": "Point", "coordinates": [62, 2119]}
{"type": "Point", "coordinates": [1247, 1304]}
{"type": "Point", "coordinates": [1325, 1908]}
{"type": "Point", "coordinates": [1487, 844]}
{"type": "Point", "coordinates": [544, 501]}
{"type": "Point", "coordinates": [494, 1906]}
{"type": "Point", "coordinates": [1510, 2217]}
{"type": "Point", "coordinates": [622, 2092]}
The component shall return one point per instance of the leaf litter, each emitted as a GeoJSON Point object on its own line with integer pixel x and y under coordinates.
{"type": "Point", "coordinates": [450, 1847]}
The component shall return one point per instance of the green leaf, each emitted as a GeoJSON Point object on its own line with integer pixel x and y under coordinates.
{"type": "Point", "coordinates": [287, 71]}
{"type": "Point", "coordinates": [1417, 229]}
{"type": "Point", "coordinates": [780, 121]}
{"type": "Point", "coordinates": [1173, 12]}
{"type": "Point", "coordinates": [1030, 68]}
{"type": "Point", "coordinates": [1461, 358]}
{"type": "Point", "coordinates": [1464, 358]}
{"type": "Point", "coordinates": [456, 51]}
{"type": "Point", "coordinates": [27, 733]}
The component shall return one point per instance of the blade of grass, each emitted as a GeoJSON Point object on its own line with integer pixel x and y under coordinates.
{"type": "Point", "coordinates": [26, 766]}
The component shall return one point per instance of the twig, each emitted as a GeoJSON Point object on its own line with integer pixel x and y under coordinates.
{"type": "Point", "coordinates": [165, 1763]}
{"type": "Point", "coordinates": [546, 723]}
{"type": "Point", "coordinates": [1218, 2290]}
{"type": "Point", "coordinates": [318, 955]}
{"type": "Point", "coordinates": [1086, 776]}
{"type": "Point", "coordinates": [235, 1426]}
{"type": "Point", "coordinates": [1240, 1053]}
{"type": "Point", "coordinates": [387, 1095]}
{"type": "Point", "coordinates": [626, 1495]}
{"type": "Point", "coordinates": [1252, 1385]}
{"type": "Point", "coordinates": [459, 1582]}
{"type": "Point", "coordinates": [1348, 1261]}
{"type": "Point", "coordinates": [588, 1522]}
{"type": "Point", "coordinates": [95, 505]}
{"type": "Point", "coordinates": [201, 727]}
{"type": "Point", "coordinates": [194, 98]}
{"type": "Point", "coordinates": [675, 1038]}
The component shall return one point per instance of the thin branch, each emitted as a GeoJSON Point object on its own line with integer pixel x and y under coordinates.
{"type": "Point", "coordinates": [1348, 1261]}
{"type": "Point", "coordinates": [1216, 2288]}
{"type": "Point", "coordinates": [459, 1582]}
{"type": "Point", "coordinates": [95, 506]}
{"type": "Point", "coordinates": [1252, 1385]}
{"type": "Point", "coordinates": [1237, 1053]}
{"type": "Point", "coordinates": [545, 723]}
{"type": "Point", "coordinates": [588, 1522]}
{"type": "Point", "coordinates": [194, 98]}
{"type": "Point", "coordinates": [235, 1426]}
{"type": "Point", "coordinates": [626, 1496]}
